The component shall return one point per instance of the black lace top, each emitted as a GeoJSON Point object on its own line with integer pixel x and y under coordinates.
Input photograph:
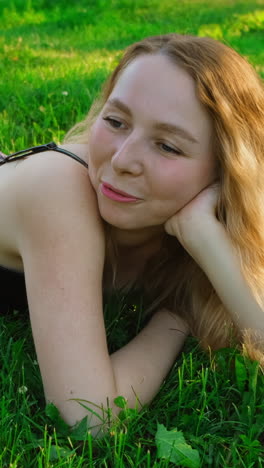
{"type": "Point", "coordinates": [13, 294]}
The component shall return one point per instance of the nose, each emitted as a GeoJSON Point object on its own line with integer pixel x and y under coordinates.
{"type": "Point", "coordinates": [128, 155]}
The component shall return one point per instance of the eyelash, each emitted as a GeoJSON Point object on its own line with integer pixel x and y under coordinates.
{"type": "Point", "coordinates": [112, 122]}
{"type": "Point", "coordinates": [170, 149]}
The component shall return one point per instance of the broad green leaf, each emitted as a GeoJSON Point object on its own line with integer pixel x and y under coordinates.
{"type": "Point", "coordinates": [253, 377]}
{"type": "Point", "coordinates": [59, 452]}
{"type": "Point", "coordinates": [120, 402]}
{"type": "Point", "coordinates": [173, 447]}
{"type": "Point", "coordinates": [53, 413]}
{"type": "Point", "coordinates": [79, 432]}
{"type": "Point", "coordinates": [241, 373]}
{"type": "Point", "coordinates": [250, 443]}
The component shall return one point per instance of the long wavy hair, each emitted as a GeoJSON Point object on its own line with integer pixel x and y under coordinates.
{"type": "Point", "coordinates": [232, 93]}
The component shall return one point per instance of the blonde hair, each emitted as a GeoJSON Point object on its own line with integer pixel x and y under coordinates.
{"type": "Point", "coordinates": [232, 93]}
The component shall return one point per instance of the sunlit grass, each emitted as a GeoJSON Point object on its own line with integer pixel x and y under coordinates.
{"type": "Point", "coordinates": [217, 401]}
{"type": "Point", "coordinates": [51, 48]}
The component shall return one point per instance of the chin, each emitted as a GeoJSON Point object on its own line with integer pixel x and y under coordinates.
{"type": "Point", "coordinates": [123, 225]}
{"type": "Point", "coordinates": [121, 222]}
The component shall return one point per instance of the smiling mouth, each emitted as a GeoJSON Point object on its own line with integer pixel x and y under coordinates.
{"type": "Point", "coordinates": [115, 191]}
{"type": "Point", "coordinates": [120, 192]}
{"type": "Point", "coordinates": [116, 196]}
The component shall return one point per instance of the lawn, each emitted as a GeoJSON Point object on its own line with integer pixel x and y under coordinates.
{"type": "Point", "coordinates": [54, 58]}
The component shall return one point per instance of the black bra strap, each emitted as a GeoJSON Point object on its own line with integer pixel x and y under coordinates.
{"type": "Point", "coordinates": [39, 149]}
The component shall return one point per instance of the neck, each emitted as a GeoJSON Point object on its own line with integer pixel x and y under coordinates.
{"type": "Point", "coordinates": [137, 239]}
{"type": "Point", "coordinates": [132, 254]}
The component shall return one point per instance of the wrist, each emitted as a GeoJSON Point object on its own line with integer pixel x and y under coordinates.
{"type": "Point", "coordinates": [212, 248]}
{"type": "Point", "coordinates": [206, 233]}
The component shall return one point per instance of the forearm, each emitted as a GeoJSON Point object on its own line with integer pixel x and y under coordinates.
{"type": "Point", "coordinates": [217, 257]}
{"type": "Point", "coordinates": [141, 365]}
{"type": "Point", "coordinates": [136, 369]}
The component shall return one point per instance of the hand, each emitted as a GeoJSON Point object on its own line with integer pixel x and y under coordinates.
{"type": "Point", "coordinates": [195, 217]}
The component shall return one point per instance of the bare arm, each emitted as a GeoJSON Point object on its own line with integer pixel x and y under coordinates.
{"type": "Point", "coordinates": [207, 241]}
{"type": "Point", "coordinates": [217, 257]}
{"type": "Point", "coordinates": [61, 241]}
{"type": "Point", "coordinates": [142, 365]}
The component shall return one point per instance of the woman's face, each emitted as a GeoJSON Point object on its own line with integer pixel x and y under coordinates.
{"type": "Point", "coordinates": [152, 140]}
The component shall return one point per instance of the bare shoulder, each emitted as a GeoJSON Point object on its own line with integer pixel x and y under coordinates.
{"type": "Point", "coordinates": [78, 148]}
{"type": "Point", "coordinates": [52, 174]}
{"type": "Point", "coordinates": [53, 191]}
{"type": "Point", "coordinates": [59, 185]}
{"type": "Point", "coordinates": [54, 162]}
{"type": "Point", "coordinates": [59, 232]}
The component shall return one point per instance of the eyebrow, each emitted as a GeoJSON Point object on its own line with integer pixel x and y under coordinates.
{"type": "Point", "coordinates": [167, 127]}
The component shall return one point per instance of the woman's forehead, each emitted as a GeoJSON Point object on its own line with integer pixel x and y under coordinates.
{"type": "Point", "coordinates": [157, 72]}
{"type": "Point", "coordinates": [153, 85]}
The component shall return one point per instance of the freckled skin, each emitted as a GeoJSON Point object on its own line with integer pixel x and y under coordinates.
{"type": "Point", "coordinates": [129, 152]}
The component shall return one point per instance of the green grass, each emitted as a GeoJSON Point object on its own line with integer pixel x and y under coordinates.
{"type": "Point", "coordinates": [216, 401]}
{"type": "Point", "coordinates": [54, 58]}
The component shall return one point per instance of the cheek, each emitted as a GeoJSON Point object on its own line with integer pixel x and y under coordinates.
{"type": "Point", "coordinates": [181, 180]}
{"type": "Point", "coordinates": [99, 143]}
{"type": "Point", "coordinates": [172, 179]}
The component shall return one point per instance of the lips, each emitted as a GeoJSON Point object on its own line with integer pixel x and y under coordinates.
{"type": "Point", "coordinates": [119, 191]}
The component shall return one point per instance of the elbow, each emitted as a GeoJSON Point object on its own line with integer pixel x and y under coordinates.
{"type": "Point", "coordinates": [95, 418]}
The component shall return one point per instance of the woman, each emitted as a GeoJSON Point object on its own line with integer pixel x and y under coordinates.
{"type": "Point", "coordinates": [171, 202]}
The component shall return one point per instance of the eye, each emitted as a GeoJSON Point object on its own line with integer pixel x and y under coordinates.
{"type": "Point", "coordinates": [113, 122]}
{"type": "Point", "coordinates": [169, 149]}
